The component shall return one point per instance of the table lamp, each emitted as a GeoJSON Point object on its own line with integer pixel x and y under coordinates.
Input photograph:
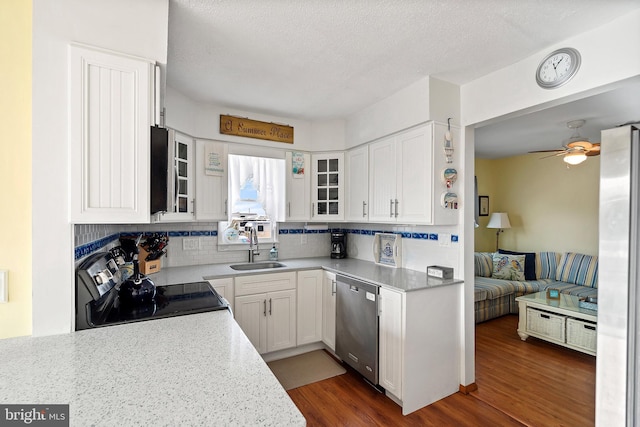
{"type": "Point", "coordinates": [499, 220]}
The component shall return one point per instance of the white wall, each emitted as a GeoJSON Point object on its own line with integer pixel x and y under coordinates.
{"type": "Point", "coordinates": [405, 108]}
{"type": "Point", "coordinates": [609, 57]}
{"type": "Point", "coordinates": [137, 28]}
{"type": "Point", "coordinates": [203, 121]}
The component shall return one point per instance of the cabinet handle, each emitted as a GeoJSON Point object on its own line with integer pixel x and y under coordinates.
{"type": "Point", "coordinates": [313, 209]}
{"type": "Point", "coordinates": [269, 306]}
{"type": "Point", "coordinates": [545, 316]}
{"type": "Point", "coordinates": [265, 308]}
{"type": "Point", "coordinates": [593, 328]}
{"type": "Point", "coordinates": [193, 206]}
{"type": "Point", "coordinates": [225, 206]}
{"type": "Point", "coordinates": [391, 208]}
{"type": "Point", "coordinates": [289, 209]}
{"type": "Point", "coordinates": [396, 208]}
{"type": "Point", "coordinates": [333, 287]}
{"type": "Point", "coordinates": [364, 206]}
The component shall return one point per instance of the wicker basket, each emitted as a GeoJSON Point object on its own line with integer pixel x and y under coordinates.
{"type": "Point", "coordinates": [581, 334]}
{"type": "Point", "coordinates": [549, 325]}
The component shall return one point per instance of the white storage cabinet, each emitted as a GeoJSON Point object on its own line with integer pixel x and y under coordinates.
{"type": "Point", "coordinates": [327, 189]}
{"type": "Point", "coordinates": [309, 301]}
{"type": "Point", "coordinates": [181, 181]}
{"type": "Point", "coordinates": [405, 184]}
{"type": "Point", "coordinates": [265, 309]}
{"type": "Point", "coordinates": [329, 290]}
{"type": "Point", "coordinates": [298, 189]}
{"type": "Point", "coordinates": [419, 345]}
{"type": "Point", "coordinates": [357, 184]}
{"type": "Point", "coordinates": [110, 116]}
{"type": "Point", "coordinates": [211, 176]}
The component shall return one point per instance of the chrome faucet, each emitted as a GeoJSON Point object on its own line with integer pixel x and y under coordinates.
{"type": "Point", "coordinates": [253, 240]}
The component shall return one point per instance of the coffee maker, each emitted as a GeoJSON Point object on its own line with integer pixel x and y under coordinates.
{"type": "Point", "coordinates": [338, 245]}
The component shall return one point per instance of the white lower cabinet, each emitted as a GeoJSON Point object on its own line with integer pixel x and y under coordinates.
{"type": "Point", "coordinates": [390, 324]}
{"type": "Point", "coordinates": [309, 306]}
{"type": "Point", "coordinates": [265, 309]}
{"type": "Point", "coordinates": [329, 309]}
{"type": "Point", "coordinates": [419, 345]}
{"type": "Point", "coordinates": [224, 288]}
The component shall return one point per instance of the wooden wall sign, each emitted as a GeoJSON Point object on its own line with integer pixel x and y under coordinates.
{"type": "Point", "coordinates": [238, 126]}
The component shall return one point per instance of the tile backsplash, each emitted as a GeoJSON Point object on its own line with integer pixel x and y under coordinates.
{"type": "Point", "coordinates": [422, 245]}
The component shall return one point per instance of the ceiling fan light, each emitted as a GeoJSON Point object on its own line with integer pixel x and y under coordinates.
{"type": "Point", "coordinates": [575, 158]}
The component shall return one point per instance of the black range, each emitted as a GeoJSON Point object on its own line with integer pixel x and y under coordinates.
{"type": "Point", "coordinates": [98, 304]}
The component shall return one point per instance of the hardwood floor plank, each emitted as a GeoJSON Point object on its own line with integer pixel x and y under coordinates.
{"type": "Point", "coordinates": [532, 383]}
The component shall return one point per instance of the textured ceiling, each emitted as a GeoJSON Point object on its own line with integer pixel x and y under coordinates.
{"type": "Point", "coordinates": [321, 59]}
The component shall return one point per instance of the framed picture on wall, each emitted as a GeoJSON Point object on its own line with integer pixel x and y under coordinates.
{"type": "Point", "coordinates": [484, 205]}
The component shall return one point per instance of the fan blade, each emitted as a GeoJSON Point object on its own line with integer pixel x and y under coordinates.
{"type": "Point", "coordinates": [559, 150]}
{"type": "Point", "coordinates": [594, 151]}
{"type": "Point", "coordinates": [561, 153]}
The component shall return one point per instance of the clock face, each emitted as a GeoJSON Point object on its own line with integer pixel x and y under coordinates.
{"type": "Point", "coordinates": [558, 68]}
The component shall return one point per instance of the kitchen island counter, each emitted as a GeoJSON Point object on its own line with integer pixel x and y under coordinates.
{"type": "Point", "coordinates": [399, 279]}
{"type": "Point", "coordinates": [197, 369]}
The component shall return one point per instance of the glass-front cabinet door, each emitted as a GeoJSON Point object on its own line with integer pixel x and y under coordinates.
{"type": "Point", "coordinates": [180, 185]}
{"type": "Point", "coordinates": [328, 187]}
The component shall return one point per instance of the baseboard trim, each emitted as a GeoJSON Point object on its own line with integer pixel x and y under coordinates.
{"type": "Point", "coordinates": [466, 389]}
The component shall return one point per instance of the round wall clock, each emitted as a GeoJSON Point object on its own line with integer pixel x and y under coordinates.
{"type": "Point", "coordinates": [558, 68]}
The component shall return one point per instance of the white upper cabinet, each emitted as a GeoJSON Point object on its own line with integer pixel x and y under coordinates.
{"type": "Point", "coordinates": [382, 180]}
{"type": "Point", "coordinates": [181, 181]}
{"type": "Point", "coordinates": [110, 115]}
{"type": "Point", "coordinates": [211, 181]}
{"type": "Point", "coordinates": [298, 203]}
{"type": "Point", "coordinates": [357, 184]}
{"type": "Point", "coordinates": [327, 189]}
{"type": "Point", "coordinates": [405, 178]}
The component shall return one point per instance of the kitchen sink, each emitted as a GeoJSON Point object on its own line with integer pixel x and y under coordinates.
{"type": "Point", "coordinates": [257, 266]}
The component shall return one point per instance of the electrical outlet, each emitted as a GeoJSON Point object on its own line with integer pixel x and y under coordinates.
{"type": "Point", "coordinates": [191, 244]}
{"type": "Point", "coordinates": [303, 238]}
{"type": "Point", "coordinates": [444, 239]}
{"type": "Point", "coordinates": [4, 286]}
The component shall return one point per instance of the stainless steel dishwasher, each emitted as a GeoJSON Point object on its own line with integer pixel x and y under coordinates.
{"type": "Point", "coordinates": [357, 326]}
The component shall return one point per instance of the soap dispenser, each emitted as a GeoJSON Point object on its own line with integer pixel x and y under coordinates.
{"type": "Point", "coordinates": [273, 253]}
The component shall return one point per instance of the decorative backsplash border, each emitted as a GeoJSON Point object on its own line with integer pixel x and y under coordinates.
{"type": "Point", "coordinates": [91, 247]}
{"type": "Point", "coordinates": [404, 234]}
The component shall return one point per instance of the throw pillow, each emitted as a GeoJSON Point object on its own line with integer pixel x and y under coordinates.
{"type": "Point", "coordinates": [508, 267]}
{"type": "Point", "coordinates": [547, 265]}
{"type": "Point", "coordinates": [483, 264]}
{"type": "Point", "coordinates": [529, 263]}
{"type": "Point", "coordinates": [579, 269]}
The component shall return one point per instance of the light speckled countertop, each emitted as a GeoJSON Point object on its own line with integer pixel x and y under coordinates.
{"type": "Point", "coordinates": [198, 370]}
{"type": "Point", "coordinates": [400, 279]}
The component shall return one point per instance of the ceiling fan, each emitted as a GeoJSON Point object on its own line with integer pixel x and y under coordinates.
{"type": "Point", "coordinates": [576, 149]}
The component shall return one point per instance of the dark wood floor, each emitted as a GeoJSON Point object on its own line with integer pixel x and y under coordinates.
{"type": "Point", "coordinates": [530, 383]}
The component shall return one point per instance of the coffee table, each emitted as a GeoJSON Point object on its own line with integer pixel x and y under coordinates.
{"type": "Point", "coordinates": [560, 321]}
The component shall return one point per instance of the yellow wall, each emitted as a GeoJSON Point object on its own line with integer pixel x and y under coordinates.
{"type": "Point", "coordinates": [15, 165]}
{"type": "Point", "coordinates": [550, 207]}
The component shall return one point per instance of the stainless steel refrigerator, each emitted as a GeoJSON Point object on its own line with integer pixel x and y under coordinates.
{"type": "Point", "coordinates": [617, 366]}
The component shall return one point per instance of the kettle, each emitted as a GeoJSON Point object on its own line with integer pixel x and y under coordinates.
{"type": "Point", "coordinates": [137, 289]}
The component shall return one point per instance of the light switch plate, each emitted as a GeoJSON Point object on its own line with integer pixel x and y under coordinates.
{"type": "Point", "coordinates": [444, 239]}
{"type": "Point", "coordinates": [4, 286]}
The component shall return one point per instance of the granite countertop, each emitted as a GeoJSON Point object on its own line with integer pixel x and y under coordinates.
{"type": "Point", "coordinates": [188, 370]}
{"type": "Point", "coordinates": [399, 279]}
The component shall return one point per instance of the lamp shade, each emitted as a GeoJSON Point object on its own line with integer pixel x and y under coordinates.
{"type": "Point", "coordinates": [499, 220]}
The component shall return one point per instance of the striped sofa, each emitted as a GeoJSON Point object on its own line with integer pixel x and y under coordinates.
{"type": "Point", "coordinates": [571, 273]}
